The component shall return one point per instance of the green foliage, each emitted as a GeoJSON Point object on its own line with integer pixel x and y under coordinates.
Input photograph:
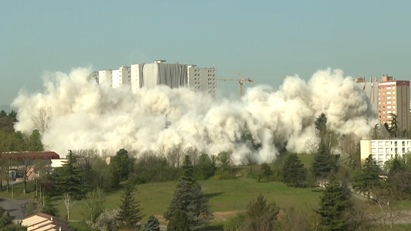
{"type": "Point", "coordinates": [190, 199]}
{"type": "Point", "coordinates": [293, 172]}
{"type": "Point", "coordinates": [152, 168]}
{"type": "Point", "coordinates": [68, 178]}
{"type": "Point", "coordinates": [152, 224]}
{"type": "Point", "coordinates": [335, 207]}
{"type": "Point", "coordinates": [321, 125]}
{"type": "Point", "coordinates": [34, 142]}
{"type": "Point", "coordinates": [325, 164]}
{"type": "Point", "coordinates": [130, 211]}
{"type": "Point", "coordinates": [121, 165]}
{"type": "Point", "coordinates": [369, 178]}
{"type": "Point", "coordinates": [179, 221]}
{"type": "Point", "coordinates": [103, 176]}
{"type": "Point", "coordinates": [265, 172]}
{"type": "Point", "coordinates": [48, 207]}
{"type": "Point", "coordinates": [260, 215]}
{"type": "Point", "coordinates": [205, 167]}
{"type": "Point", "coordinates": [399, 178]}
{"type": "Point", "coordinates": [5, 218]}
{"type": "Point", "coordinates": [235, 223]}
{"type": "Point", "coordinates": [7, 121]}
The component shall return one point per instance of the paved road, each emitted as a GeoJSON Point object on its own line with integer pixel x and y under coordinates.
{"type": "Point", "coordinates": [14, 207]}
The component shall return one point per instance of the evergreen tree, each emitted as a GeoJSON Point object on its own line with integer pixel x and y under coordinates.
{"type": "Point", "coordinates": [130, 211]}
{"type": "Point", "coordinates": [189, 198]}
{"type": "Point", "coordinates": [335, 207]}
{"type": "Point", "coordinates": [48, 207]}
{"type": "Point", "coordinates": [178, 222]}
{"type": "Point", "coordinates": [293, 172]}
{"type": "Point", "coordinates": [399, 178]}
{"type": "Point", "coordinates": [152, 224]}
{"type": "Point", "coordinates": [368, 179]}
{"type": "Point", "coordinates": [205, 167]}
{"type": "Point", "coordinates": [324, 164]}
{"type": "Point", "coordinates": [121, 166]}
{"type": "Point", "coordinates": [69, 179]}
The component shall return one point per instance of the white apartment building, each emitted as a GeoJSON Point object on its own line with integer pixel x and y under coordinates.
{"type": "Point", "coordinates": [160, 72]}
{"type": "Point", "coordinates": [202, 79]}
{"type": "Point", "coordinates": [105, 78]}
{"type": "Point", "coordinates": [383, 150]}
{"type": "Point", "coordinates": [136, 81]}
{"type": "Point", "coordinates": [121, 77]}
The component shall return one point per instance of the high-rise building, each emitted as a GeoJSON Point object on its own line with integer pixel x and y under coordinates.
{"type": "Point", "coordinates": [160, 72]}
{"type": "Point", "coordinates": [173, 75]}
{"type": "Point", "coordinates": [121, 77]}
{"type": "Point", "coordinates": [136, 80]}
{"type": "Point", "coordinates": [370, 89]}
{"type": "Point", "coordinates": [394, 98]}
{"type": "Point", "coordinates": [105, 78]}
{"type": "Point", "coordinates": [202, 79]}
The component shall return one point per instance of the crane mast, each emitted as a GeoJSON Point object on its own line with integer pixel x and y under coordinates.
{"type": "Point", "coordinates": [241, 81]}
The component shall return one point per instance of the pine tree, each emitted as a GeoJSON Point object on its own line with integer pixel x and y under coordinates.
{"type": "Point", "coordinates": [152, 224]}
{"type": "Point", "coordinates": [324, 164]}
{"type": "Point", "coordinates": [178, 222]}
{"type": "Point", "coordinates": [130, 211]}
{"type": "Point", "coordinates": [335, 207]}
{"type": "Point", "coordinates": [369, 177]}
{"type": "Point", "coordinates": [189, 198]}
{"type": "Point", "coordinates": [68, 178]}
{"type": "Point", "coordinates": [293, 172]}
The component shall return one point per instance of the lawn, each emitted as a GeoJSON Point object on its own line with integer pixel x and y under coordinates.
{"type": "Point", "coordinates": [224, 195]}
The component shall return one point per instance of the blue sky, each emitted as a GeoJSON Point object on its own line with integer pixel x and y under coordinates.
{"type": "Point", "coordinates": [264, 40]}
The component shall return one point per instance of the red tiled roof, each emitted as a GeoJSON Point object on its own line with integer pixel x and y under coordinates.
{"type": "Point", "coordinates": [29, 155]}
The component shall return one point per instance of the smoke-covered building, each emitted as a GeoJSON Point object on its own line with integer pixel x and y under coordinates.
{"type": "Point", "coordinates": [202, 79]}
{"type": "Point", "coordinates": [389, 96]}
{"type": "Point", "coordinates": [370, 89]}
{"type": "Point", "coordinates": [173, 75]}
{"type": "Point", "coordinates": [121, 77]}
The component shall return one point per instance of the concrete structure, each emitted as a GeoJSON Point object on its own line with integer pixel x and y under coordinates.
{"type": "Point", "coordinates": [370, 89]}
{"type": "Point", "coordinates": [45, 222]}
{"type": "Point", "coordinates": [173, 75]}
{"type": "Point", "coordinates": [136, 81]}
{"type": "Point", "coordinates": [383, 150]}
{"type": "Point", "coordinates": [105, 78]}
{"type": "Point", "coordinates": [394, 98]}
{"type": "Point", "coordinates": [202, 79]}
{"type": "Point", "coordinates": [121, 77]}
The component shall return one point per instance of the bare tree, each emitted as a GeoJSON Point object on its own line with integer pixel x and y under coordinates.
{"type": "Point", "coordinates": [174, 155]}
{"type": "Point", "coordinates": [350, 150]}
{"type": "Point", "coordinates": [192, 153]}
{"type": "Point", "coordinates": [95, 204]}
{"type": "Point", "coordinates": [42, 118]}
{"type": "Point", "coordinates": [68, 203]}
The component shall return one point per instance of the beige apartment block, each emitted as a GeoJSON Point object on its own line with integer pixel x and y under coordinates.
{"type": "Point", "coordinates": [394, 98]}
{"type": "Point", "coordinates": [384, 150]}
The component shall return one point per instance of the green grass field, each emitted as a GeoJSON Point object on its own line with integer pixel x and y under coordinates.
{"type": "Point", "coordinates": [224, 195]}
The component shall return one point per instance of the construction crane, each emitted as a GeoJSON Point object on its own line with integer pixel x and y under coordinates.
{"type": "Point", "coordinates": [241, 81]}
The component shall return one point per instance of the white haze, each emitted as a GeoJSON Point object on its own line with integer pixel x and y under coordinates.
{"type": "Point", "coordinates": [88, 116]}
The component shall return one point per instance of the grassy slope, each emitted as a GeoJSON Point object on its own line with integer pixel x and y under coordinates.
{"type": "Point", "coordinates": [224, 195]}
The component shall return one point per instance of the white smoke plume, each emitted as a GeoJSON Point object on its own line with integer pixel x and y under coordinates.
{"type": "Point", "coordinates": [85, 115]}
